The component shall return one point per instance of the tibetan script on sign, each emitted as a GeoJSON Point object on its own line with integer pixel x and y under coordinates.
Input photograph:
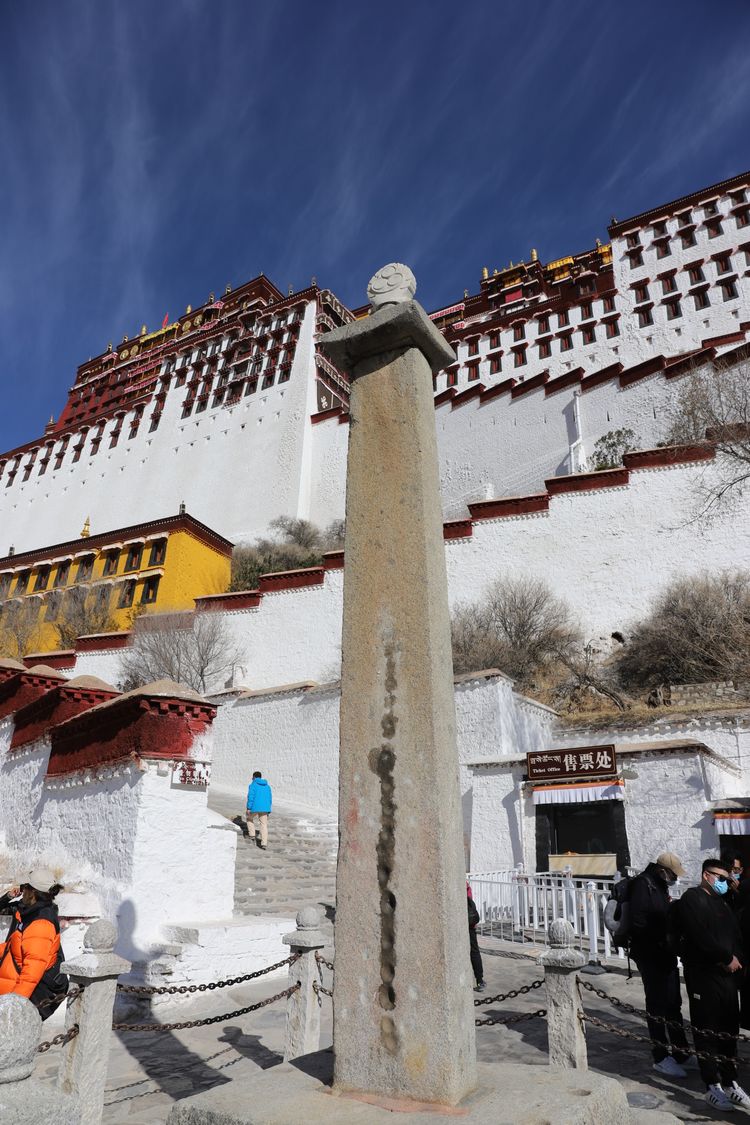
{"type": "Point", "coordinates": [191, 774]}
{"type": "Point", "coordinates": [591, 762]}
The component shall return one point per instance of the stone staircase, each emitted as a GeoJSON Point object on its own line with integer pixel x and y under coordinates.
{"type": "Point", "coordinates": [298, 869]}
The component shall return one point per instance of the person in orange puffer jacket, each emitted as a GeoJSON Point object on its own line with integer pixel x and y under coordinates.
{"type": "Point", "coordinates": [31, 955]}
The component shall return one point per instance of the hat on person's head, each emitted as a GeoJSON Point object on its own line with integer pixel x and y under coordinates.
{"type": "Point", "coordinates": [671, 862]}
{"type": "Point", "coordinates": [42, 879]}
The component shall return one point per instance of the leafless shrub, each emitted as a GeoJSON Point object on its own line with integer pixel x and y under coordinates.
{"type": "Point", "coordinates": [586, 682]}
{"type": "Point", "coordinates": [20, 629]}
{"type": "Point", "coordinates": [196, 649]}
{"type": "Point", "coordinates": [713, 405]}
{"type": "Point", "coordinates": [698, 630]}
{"type": "Point", "coordinates": [83, 611]}
{"type": "Point", "coordinates": [519, 627]}
{"type": "Point", "coordinates": [294, 544]}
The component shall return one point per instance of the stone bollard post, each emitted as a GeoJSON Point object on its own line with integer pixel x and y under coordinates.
{"type": "Point", "coordinates": [565, 1031]}
{"type": "Point", "coordinates": [25, 1100]}
{"type": "Point", "coordinates": [83, 1070]}
{"type": "Point", "coordinates": [303, 1006]}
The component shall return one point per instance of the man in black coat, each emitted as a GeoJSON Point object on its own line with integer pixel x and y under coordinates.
{"type": "Point", "coordinates": [712, 957]}
{"type": "Point", "coordinates": [649, 904]}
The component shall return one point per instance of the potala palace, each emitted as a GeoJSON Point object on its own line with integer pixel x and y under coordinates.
{"type": "Point", "coordinates": [175, 444]}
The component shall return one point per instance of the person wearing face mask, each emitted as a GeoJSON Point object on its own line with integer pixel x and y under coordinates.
{"type": "Point", "coordinates": [712, 958]}
{"type": "Point", "coordinates": [31, 955]}
{"type": "Point", "coordinates": [657, 962]}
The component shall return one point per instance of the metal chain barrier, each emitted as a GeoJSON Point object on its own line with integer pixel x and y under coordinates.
{"type": "Point", "coordinates": [147, 990]}
{"type": "Point", "coordinates": [540, 1013]}
{"type": "Point", "coordinates": [514, 992]}
{"type": "Point", "coordinates": [322, 961]}
{"type": "Point", "coordinates": [319, 990]}
{"type": "Point", "coordinates": [683, 1024]}
{"type": "Point", "coordinates": [208, 1019]}
{"type": "Point", "coordinates": [59, 1040]}
{"type": "Point", "coordinates": [623, 1033]}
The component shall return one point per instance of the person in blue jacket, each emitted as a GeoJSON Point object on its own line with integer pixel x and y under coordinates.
{"type": "Point", "coordinates": [259, 801]}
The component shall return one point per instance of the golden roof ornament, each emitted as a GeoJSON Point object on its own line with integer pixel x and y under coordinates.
{"type": "Point", "coordinates": [189, 309]}
{"type": "Point", "coordinates": [534, 254]}
{"type": "Point", "coordinates": [485, 273]}
{"type": "Point", "coordinates": [143, 330]}
{"type": "Point", "coordinates": [86, 529]}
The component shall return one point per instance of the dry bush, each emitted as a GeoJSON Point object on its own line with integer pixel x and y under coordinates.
{"type": "Point", "coordinates": [295, 544]}
{"type": "Point", "coordinates": [698, 630]}
{"type": "Point", "coordinates": [714, 405]}
{"type": "Point", "coordinates": [82, 612]}
{"type": "Point", "coordinates": [196, 649]}
{"type": "Point", "coordinates": [519, 627]}
{"type": "Point", "coordinates": [20, 629]}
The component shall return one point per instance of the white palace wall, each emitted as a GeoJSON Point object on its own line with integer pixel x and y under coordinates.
{"type": "Point", "coordinates": [236, 467]}
{"type": "Point", "coordinates": [291, 734]}
{"type": "Point", "coordinates": [607, 549]}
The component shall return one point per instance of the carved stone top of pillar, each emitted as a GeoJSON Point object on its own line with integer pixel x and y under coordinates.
{"type": "Point", "coordinates": [390, 285]}
{"type": "Point", "coordinates": [20, 1024]}
{"type": "Point", "coordinates": [394, 327]}
{"type": "Point", "coordinates": [562, 954]}
{"type": "Point", "coordinates": [308, 934]}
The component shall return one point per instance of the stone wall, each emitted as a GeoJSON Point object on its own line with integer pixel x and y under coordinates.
{"type": "Point", "coordinates": [606, 543]}
{"type": "Point", "coordinates": [111, 793]}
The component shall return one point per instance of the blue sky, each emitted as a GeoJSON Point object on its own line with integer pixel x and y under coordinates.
{"type": "Point", "coordinates": [152, 152]}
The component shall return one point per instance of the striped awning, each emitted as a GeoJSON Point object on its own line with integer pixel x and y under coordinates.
{"type": "Point", "coordinates": [578, 792]}
{"type": "Point", "coordinates": [732, 822]}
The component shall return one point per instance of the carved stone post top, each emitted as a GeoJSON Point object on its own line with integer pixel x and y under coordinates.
{"type": "Point", "coordinates": [396, 323]}
{"type": "Point", "coordinates": [98, 961]}
{"type": "Point", "coordinates": [390, 285]}
{"type": "Point", "coordinates": [308, 934]}
{"type": "Point", "coordinates": [20, 1025]}
{"type": "Point", "coordinates": [562, 954]}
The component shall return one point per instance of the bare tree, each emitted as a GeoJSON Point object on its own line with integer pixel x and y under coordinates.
{"type": "Point", "coordinates": [519, 627]}
{"type": "Point", "coordinates": [712, 405]}
{"type": "Point", "coordinates": [294, 544]}
{"type": "Point", "coordinates": [587, 681]}
{"type": "Point", "coordinates": [698, 630]}
{"type": "Point", "coordinates": [196, 649]}
{"type": "Point", "coordinates": [20, 626]}
{"type": "Point", "coordinates": [83, 610]}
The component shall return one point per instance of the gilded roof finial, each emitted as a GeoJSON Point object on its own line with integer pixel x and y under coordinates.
{"type": "Point", "coordinates": [598, 243]}
{"type": "Point", "coordinates": [485, 273]}
{"type": "Point", "coordinates": [143, 330]}
{"type": "Point", "coordinates": [211, 298]}
{"type": "Point", "coordinates": [534, 255]}
{"type": "Point", "coordinates": [189, 309]}
{"type": "Point", "coordinates": [86, 529]}
{"type": "Point", "coordinates": [227, 288]}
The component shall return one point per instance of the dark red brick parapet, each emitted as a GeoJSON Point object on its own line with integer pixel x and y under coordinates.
{"type": "Point", "coordinates": [240, 599]}
{"type": "Point", "coordinates": [157, 722]}
{"type": "Point", "coordinates": [56, 706]}
{"type": "Point", "coordinates": [668, 455]}
{"type": "Point", "coordinates": [102, 642]}
{"type": "Point", "coordinates": [291, 579]}
{"type": "Point", "coordinates": [25, 687]}
{"type": "Point", "coordinates": [457, 529]}
{"type": "Point", "coordinates": [586, 482]}
{"type": "Point", "coordinates": [509, 506]}
{"type": "Point", "coordinates": [62, 659]}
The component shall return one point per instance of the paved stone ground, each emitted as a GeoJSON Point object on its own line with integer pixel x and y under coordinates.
{"type": "Point", "coordinates": [149, 1071]}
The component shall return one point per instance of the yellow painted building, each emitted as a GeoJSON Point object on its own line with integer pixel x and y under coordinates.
{"type": "Point", "coordinates": [155, 567]}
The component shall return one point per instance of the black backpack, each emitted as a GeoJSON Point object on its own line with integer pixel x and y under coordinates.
{"type": "Point", "coordinates": [617, 912]}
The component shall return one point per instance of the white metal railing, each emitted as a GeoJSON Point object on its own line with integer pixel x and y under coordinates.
{"type": "Point", "coordinates": [517, 906]}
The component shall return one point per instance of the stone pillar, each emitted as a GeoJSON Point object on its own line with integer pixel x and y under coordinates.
{"type": "Point", "coordinates": [567, 1038]}
{"type": "Point", "coordinates": [83, 1070]}
{"type": "Point", "coordinates": [303, 1006]}
{"type": "Point", "coordinates": [403, 1004]}
{"type": "Point", "coordinates": [25, 1100]}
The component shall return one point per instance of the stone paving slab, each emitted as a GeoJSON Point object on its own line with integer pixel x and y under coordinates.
{"type": "Point", "coordinates": [292, 1093]}
{"type": "Point", "coordinates": [149, 1072]}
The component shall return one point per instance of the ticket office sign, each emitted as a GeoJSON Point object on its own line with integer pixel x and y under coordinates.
{"type": "Point", "coordinates": [565, 765]}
